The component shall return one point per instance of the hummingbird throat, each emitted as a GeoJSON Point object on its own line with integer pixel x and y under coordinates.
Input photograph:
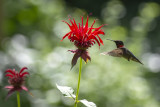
{"type": "Point", "coordinates": [120, 46]}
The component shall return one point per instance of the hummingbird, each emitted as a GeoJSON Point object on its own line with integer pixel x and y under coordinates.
{"type": "Point", "coordinates": [121, 51]}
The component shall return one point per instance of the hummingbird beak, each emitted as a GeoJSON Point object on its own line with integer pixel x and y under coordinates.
{"type": "Point", "coordinates": [110, 40]}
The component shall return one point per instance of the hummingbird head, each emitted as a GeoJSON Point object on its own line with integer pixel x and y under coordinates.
{"type": "Point", "coordinates": [119, 43]}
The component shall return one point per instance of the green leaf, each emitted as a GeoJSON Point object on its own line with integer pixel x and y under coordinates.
{"type": "Point", "coordinates": [66, 91]}
{"type": "Point", "coordinates": [87, 103]}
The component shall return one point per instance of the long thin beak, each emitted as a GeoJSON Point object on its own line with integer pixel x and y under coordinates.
{"type": "Point", "coordinates": [110, 40]}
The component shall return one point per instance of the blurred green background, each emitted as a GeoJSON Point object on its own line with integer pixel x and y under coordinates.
{"type": "Point", "coordinates": [30, 34]}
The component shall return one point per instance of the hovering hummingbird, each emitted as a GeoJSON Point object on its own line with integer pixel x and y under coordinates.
{"type": "Point", "coordinates": [121, 51]}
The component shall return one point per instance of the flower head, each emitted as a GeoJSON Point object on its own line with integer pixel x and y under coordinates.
{"type": "Point", "coordinates": [16, 80]}
{"type": "Point", "coordinates": [83, 37]}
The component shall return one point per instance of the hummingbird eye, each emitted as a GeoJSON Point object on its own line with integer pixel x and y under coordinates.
{"type": "Point", "coordinates": [120, 43]}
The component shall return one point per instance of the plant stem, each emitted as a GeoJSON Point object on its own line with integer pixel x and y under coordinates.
{"type": "Point", "coordinates": [79, 79]}
{"type": "Point", "coordinates": [18, 99]}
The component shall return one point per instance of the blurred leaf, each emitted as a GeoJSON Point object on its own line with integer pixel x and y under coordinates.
{"type": "Point", "coordinates": [87, 103]}
{"type": "Point", "coordinates": [66, 91]}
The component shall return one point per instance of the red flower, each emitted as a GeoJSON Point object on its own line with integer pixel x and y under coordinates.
{"type": "Point", "coordinates": [83, 38]}
{"type": "Point", "coordinates": [16, 80]}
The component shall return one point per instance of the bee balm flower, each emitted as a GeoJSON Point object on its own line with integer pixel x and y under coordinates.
{"type": "Point", "coordinates": [16, 80]}
{"type": "Point", "coordinates": [83, 37]}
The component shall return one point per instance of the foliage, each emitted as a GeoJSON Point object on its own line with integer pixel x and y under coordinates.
{"type": "Point", "coordinates": [69, 92]}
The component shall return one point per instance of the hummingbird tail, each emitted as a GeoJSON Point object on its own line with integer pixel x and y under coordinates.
{"type": "Point", "coordinates": [140, 62]}
{"type": "Point", "coordinates": [136, 60]}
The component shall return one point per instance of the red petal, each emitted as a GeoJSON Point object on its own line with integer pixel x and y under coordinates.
{"type": "Point", "coordinates": [9, 75]}
{"type": "Point", "coordinates": [69, 36]}
{"type": "Point", "coordinates": [100, 40]}
{"type": "Point", "coordinates": [10, 71]}
{"type": "Point", "coordinates": [72, 24]}
{"type": "Point", "coordinates": [24, 88]}
{"type": "Point", "coordinates": [101, 32]}
{"type": "Point", "coordinates": [97, 40]}
{"type": "Point", "coordinates": [75, 58]}
{"type": "Point", "coordinates": [86, 26]}
{"type": "Point", "coordinates": [93, 24]}
{"type": "Point", "coordinates": [10, 92]}
{"type": "Point", "coordinates": [65, 35]}
{"type": "Point", "coordinates": [68, 25]}
{"type": "Point", "coordinates": [93, 37]}
{"type": "Point", "coordinates": [99, 27]}
{"type": "Point", "coordinates": [79, 25]}
{"type": "Point", "coordinates": [9, 87]}
{"type": "Point", "coordinates": [73, 51]}
{"type": "Point", "coordinates": [98, 32]}
{"type": "Point", "coordinates": [90, 29]}
{"type": "Point", "coordinates": [82, 21]}
{"type": "Point", "coordinates": [74, 38]}
{"type": "Point", "coordinates": [75, 24]}
{"type": "Point", "coordinates": [23, 74]}
{"type": "Point", "coordinates": [85, 56]}
{"type": "Point", "coordinates": [22, 69]}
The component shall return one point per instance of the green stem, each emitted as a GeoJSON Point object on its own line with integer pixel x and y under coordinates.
{"type": "Point", "coordinates": [79, 79]}
{"type": "Point", "coordinates": [18, 99]}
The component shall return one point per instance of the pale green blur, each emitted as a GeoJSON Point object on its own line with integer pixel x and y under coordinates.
{"type": "Point", "coordinates": [31, 36]}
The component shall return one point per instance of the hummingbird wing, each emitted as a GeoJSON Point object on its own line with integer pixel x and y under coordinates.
{"type": "Point", "coordinates": [132, 57]}
{"type": "Point", "coordinates": [115, 53]}
{"type": "Point", "coordinates": [122, 52]}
